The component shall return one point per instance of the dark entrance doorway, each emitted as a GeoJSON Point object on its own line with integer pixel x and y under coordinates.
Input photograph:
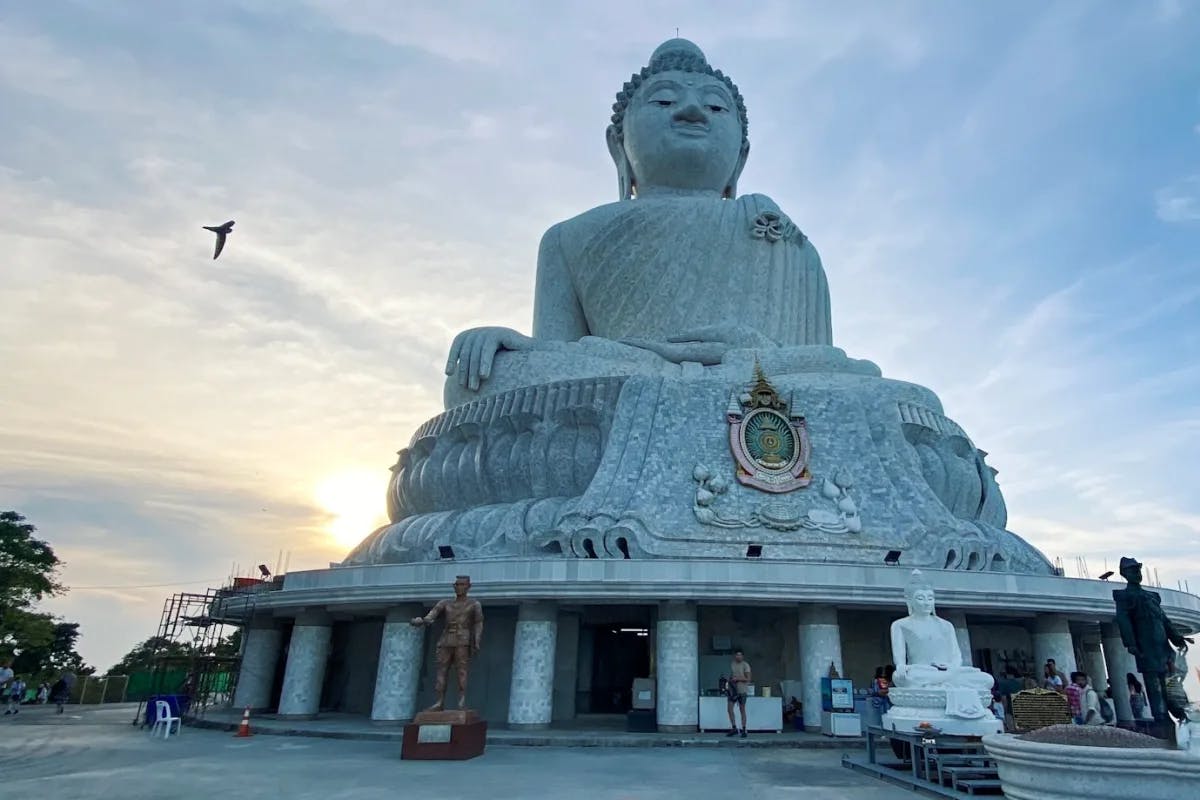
{"type": "Point", "coordinates": [622, 653]}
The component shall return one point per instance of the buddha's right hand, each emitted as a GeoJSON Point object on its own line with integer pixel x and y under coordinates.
{"type": "Point", "coordinates": [473, 351]}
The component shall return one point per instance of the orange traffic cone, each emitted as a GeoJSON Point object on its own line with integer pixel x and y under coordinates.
{"type": "Point", "coordinates": [244, 729]}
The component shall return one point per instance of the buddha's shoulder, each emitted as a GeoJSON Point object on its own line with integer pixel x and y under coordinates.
{"type": "Point", "coordinates": [571, 234]}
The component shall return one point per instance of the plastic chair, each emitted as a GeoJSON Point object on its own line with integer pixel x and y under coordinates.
{"type": "Point", "coordinates": [162, 716]}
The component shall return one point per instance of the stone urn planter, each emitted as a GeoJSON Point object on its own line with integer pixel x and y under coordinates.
{"type": "Point", "coordinates": [1124, 767]}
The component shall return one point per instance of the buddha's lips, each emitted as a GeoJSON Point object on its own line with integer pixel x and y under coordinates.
{"type": "Point", "coordinates": [690, 128]}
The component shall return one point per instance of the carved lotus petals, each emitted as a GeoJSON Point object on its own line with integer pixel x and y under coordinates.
{"type": "Point", "coordinates": [704, 497]}
{"type": "Point", "coordinates": [830, 489]}
{"type": "Point", "coordinates": [843, 479]}
{"type": "Point", "coordinates": [700, 474]}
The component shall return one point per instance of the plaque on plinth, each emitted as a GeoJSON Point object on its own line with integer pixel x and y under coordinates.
{"type": "Point", "coordinates": [444, 736]}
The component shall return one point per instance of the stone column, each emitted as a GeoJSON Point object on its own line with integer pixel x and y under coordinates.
{"type": "Point", "coordinates": [531, 697]}
{"type": "Point", "coordinates": [1093, 657]}
{"type": "Point", "coordinates": [305, 674]}
{"type": "Point", "coordinates": [1120, 663]}
{"type": "Point", "coordinates": [401, 650]}
{"type": "Point", "coordinates": [959, 620]}
{"type": "Point", "coordinates": [820, 644]}
{"type": "Point", "coordinates": [260, 655]}
{"type": "Point", "coordinates": [1052, 639]}
{"type": "Point", "coordinates": [677, 668]}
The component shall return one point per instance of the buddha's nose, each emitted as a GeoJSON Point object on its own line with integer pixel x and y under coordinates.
{"type": "Point", "coordinates": [691, 112]}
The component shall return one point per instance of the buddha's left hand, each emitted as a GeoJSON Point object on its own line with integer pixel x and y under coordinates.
{"type": "Point", "coordinates": [705, 345]}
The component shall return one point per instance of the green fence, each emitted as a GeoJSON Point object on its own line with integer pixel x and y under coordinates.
{"type": "Point", "coordinates": [138, 687]}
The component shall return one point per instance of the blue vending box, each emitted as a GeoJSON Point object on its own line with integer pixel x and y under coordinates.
{"type": "Point", "coordinates": [837, 695]}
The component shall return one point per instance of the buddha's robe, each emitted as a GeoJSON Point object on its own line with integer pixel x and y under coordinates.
{"type": "Point", "coordinates": [656, 267]}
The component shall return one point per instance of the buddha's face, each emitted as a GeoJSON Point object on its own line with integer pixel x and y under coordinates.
{"type": "Point", "coordinates": [461, 587]}
{"type": "Point", "coordinates": [921, 603]}
{"type": "Point", "coordinates": [682, 131]}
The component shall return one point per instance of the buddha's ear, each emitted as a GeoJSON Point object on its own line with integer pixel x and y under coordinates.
{"type": "Point", "coordinates": [731, 188]}
{"type": "Point", "coordinates": [616, 149]}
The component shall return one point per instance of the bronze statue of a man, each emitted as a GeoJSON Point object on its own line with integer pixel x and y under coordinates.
{"type": "Point", "coordinates": [460, 640]}
{"type": "Point", "coordinates": [1148, 635]}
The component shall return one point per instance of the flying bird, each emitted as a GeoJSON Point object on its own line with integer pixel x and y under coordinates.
{"type": "Point", "coordinates": [221, 231]}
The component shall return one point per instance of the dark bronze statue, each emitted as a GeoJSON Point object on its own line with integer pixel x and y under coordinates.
{"type": "Point", "coordinates": [1148, 635]}
{"type": "Point", "coordinates": [460, 640]}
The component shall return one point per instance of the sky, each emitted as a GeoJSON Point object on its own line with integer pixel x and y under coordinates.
{"type": "Point", "coordinates": [1006, 198]}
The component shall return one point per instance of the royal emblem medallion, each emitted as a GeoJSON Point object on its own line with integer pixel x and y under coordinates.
{"type": "Point", "coordinates": [768, 438]}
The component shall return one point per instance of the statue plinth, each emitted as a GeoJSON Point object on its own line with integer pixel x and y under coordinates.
{"type": "Point", "coordinates": [913, 707]}
{"type": "Point", "coordinates": [444, 736]}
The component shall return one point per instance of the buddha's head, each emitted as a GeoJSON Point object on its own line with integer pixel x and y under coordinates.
{"type": "Point", "coordinates": [678, 124]}
{"type": "Point", "coordinates": [919, 595]}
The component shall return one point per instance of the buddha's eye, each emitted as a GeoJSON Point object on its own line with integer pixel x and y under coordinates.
{"type": "Point", "coordinates": [717, 109]}
{"type": "Point", "coordinates": [663, 103]}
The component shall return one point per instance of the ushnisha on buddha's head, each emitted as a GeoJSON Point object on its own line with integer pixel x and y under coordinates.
{"type": "Point", "coordinates": [678, 126]}
{"type": "Point", "coordinates": [919, 595]}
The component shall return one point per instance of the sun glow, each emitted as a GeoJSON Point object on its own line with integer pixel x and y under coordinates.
{"type": "Point", "coordinates": [355, 500]}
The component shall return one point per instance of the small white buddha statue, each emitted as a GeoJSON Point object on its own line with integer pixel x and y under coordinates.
{"type": "Point", "coordinates": [927, 656]}
{"type": "Point", "coordinates": [925, 646]}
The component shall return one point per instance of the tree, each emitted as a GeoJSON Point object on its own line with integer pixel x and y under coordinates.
{"type": "Point", "coordinates": [229, 646]}
{"type": "Point", "coordinates": [144, 656]}
{"type": "Point", "coordinates": [45, 660]}
{"type": "Point", "coordinates": [28, 573]}
{"type": "Point", "coordinates": [28, 566]}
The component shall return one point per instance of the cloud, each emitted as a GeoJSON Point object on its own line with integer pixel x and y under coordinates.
{"type": "Point", "coordinates": [1179, 202]}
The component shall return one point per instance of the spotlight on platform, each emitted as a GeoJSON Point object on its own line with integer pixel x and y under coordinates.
{"type": "Point", "coordinates": [446, 551]}
{"type": "Point", "coordinates": [266, 573]}
{"type": "Point", "coordinates": [892, 559]}
{"type": "Point", "coordinates": [1106, 575]}
{"type": "Point", "coordinates": [754, 551]}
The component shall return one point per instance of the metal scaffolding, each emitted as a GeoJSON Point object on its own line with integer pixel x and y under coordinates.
{"type": "Point", "coordinates": [195, 657]}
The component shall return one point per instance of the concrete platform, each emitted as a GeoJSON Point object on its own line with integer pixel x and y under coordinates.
{"type": "Point", "coordinates": [589, 732]}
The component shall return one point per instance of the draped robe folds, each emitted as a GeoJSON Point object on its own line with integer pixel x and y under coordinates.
{"type": "Point", "coordinates": [658, 267]}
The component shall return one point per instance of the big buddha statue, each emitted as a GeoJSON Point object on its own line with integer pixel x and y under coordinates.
{"type": "Point", "coordinates": [679, 393]}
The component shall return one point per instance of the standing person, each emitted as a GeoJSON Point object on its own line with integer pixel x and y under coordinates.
{"type": "Point", "coordinates": [60, 692]}
{"type": "Point", "coordinates": [6, 675]}
{"type": "Point", "coordinates": [1075, 694]}
{"type": "Point", "coordinates": [1051, 678]}
{"type": "Point", "coordinates": [1137, 697]}
{"type": "Point", "coordinates": [16, 693]}
{"type": "Point", "coordinates": [739, 677]}
{"type": "Point", "coordinates": [43, 693]}
{"type": "Point", "coordinates": [879, 689]}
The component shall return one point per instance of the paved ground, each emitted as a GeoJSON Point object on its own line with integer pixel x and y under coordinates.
{"type": "Point", "coordinates": [95, 754]}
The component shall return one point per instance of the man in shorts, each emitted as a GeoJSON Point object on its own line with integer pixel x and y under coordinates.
{"type": "Point", "coordinates": [739, 678]}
